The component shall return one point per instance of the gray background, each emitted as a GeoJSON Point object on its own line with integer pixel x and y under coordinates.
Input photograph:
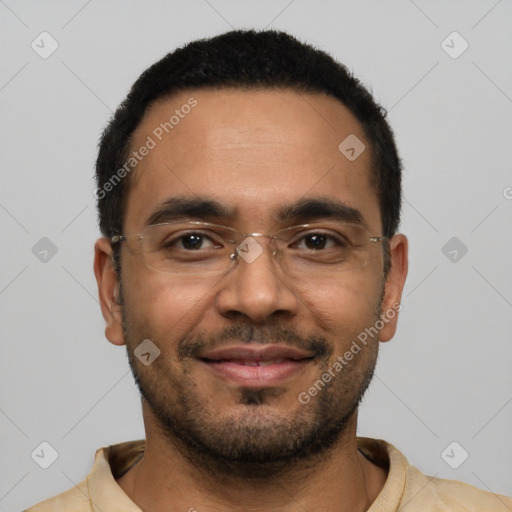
{"type": "Point", "coordinates": [445, 377]}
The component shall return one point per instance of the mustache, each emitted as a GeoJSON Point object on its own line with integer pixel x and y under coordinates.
{"type": "Point", "coordinates": [191, 347]}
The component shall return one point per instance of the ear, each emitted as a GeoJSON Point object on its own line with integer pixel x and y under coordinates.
{"type": "Point", "coordinates": [108, 291]}
{"type": "Point", "coordinates": [394, 286]}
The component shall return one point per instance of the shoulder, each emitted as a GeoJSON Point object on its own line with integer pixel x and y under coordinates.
{"type": "Point", "coordinates": [76, 499]}
{"type": "Point", "coordinates": [409, 490]}
{"type": "Point", "coordinates": [99, 490]}
{"type": "Point", "coordinates": [425, 492]}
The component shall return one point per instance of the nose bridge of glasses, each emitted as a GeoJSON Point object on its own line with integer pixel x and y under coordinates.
{"type": "Point", "coordinates": [251, 246]}
{"type": "Point", "coordinates": [261, 236]}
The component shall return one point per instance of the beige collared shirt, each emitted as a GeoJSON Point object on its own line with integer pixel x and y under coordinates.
{"type": "Point", "coordinates": [406, 488]}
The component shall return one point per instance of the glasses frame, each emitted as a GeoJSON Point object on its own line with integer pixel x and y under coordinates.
{"type": "Point", "coordinates": [138, 237]}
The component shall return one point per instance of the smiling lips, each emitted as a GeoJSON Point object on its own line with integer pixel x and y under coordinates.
{"type": "Point", "coordinates": [258, 365]}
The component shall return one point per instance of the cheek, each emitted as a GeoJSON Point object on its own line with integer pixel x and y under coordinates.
{"type": "Point", "coordinates": [163, 308]}
{"type": "Point", "coordinates": [347, 305]}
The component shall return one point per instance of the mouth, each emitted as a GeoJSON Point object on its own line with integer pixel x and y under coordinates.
{"type": "Point", "coordinates": [256, 366]}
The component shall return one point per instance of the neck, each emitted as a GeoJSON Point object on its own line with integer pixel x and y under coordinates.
{"type": "Point", "coordinates": [165, 480]}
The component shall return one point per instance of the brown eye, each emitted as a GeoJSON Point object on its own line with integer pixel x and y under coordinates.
{"type": "Point", "coordinates": [319, 241]}
{"type": "Point", "coordinates": [315, 242]}
{"type": "Point", "coordinates": [192, 241]}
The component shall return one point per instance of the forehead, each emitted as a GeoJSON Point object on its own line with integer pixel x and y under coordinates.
{"type": "Point", "coordinates": [250, 150]}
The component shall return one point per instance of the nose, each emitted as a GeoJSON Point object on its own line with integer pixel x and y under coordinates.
{"type": "Point", "coordinates": [256, 286]}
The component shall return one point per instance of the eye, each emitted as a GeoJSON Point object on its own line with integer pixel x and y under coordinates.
{"type": "Point", "coordinates": [192, 241]}
{"type": "Point", "coordinates": [317, 241]}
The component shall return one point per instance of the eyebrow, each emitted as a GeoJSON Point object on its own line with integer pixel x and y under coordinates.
{"type": "Point", "coordinates": [307, 210]}
{"type": "Point", "coordinates": [204, 209]}
{"type": "Point", "coordinates": [181, 208]}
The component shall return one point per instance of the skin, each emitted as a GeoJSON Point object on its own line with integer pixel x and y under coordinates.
{"type": "Point", "coordinates": [253, 151]}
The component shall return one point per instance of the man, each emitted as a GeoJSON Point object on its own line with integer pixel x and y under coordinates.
{"type": "Point", "coordinates": [249, 195]}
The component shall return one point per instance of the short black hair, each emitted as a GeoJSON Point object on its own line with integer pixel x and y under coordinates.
{"type": "Point", "coordinates": [245, 59]}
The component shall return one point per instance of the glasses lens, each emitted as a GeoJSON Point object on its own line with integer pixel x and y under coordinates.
{"type": "Point", "coordinates": [327, 248]}
{"type": "Point", "coordinates": [187, 248]}
{"type": "Point", "coordinates": [202, 249]}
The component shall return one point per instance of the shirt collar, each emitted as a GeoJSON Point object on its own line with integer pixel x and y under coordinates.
{"type": "Point", "coordinates": [114, 461]}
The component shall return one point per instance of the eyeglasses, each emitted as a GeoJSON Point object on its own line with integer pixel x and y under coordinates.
{"type": "Point", "coordinates": [202, 248]}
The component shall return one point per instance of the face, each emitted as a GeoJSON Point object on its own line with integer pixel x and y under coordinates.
{"type": "Point", "coordinates": [240, 351]}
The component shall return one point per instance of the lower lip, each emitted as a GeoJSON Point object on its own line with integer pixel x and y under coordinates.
{"type": "Point", "coordinates": [257, 376]}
